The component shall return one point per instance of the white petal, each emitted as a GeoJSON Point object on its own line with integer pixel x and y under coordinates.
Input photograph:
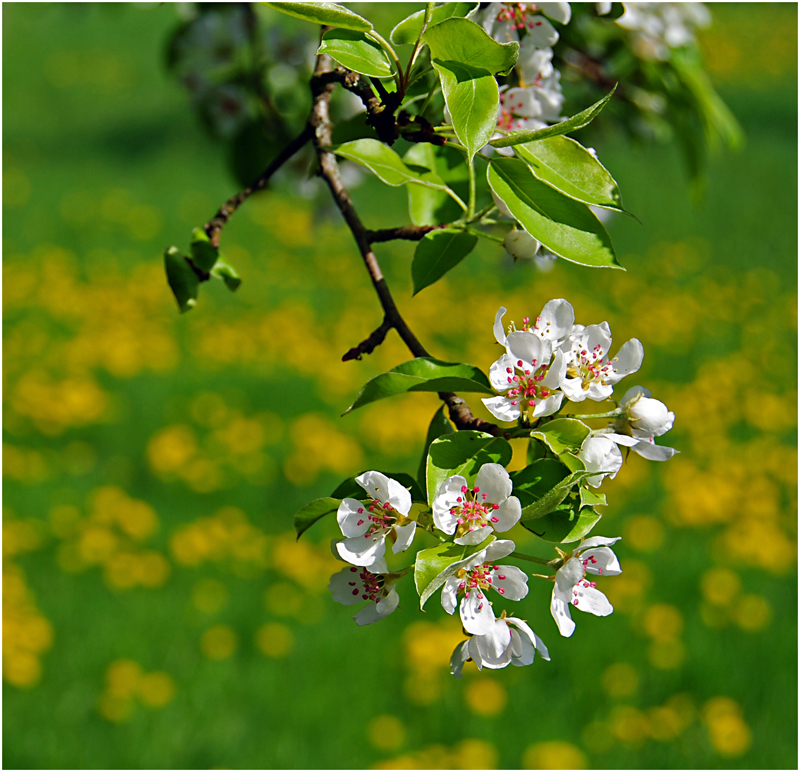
{"type": "Point", "coordinates": [386, 490]}
{"type": "Point", "coordinates": [628, 361]}
{"type": "Point", "coordinates": [606, 561]}
{"type": "Point", "coordinates": [458, 659]}
{"type": "Point", "coordinates": [592, 600]}
{"type": "Point", "coordinates": [548, 406]}
{"type": "Point", "coordinates": [573, 389]}
{"type": "Point", "coordinates": [499, 331]}
{"type": "Point", "coordinates": [475, 536]}
{"type": "Point", "coordinates": [597, 541]}
{"type": "Point", "coordinates": [353, 518]}
{"type": "Point", "coordinates": [507, 514]}
{"type": "Point", "coordinates": [560, 12]}
{"type": "Point", "coordinates": [374, 612]}
{"type": "Point", "coordinates": [543, 33]}
{"type": "Point", "coordinates": [597, 335]}
{"type": "Point", "coordinates": [599, 391]}
{"type": "Point", "coordinates": [633, 393]}
{"type": "Point", "coordinates": [361, 551]}
{"type": "Point", "coordinates": [450, 594]}
{"type": "Point", "coordinates": [527, 347]}
{"type": "Point", "coordinates": [557, 318]}
{"type": "Point", "coordinates": [499, 373]}
{"type": "Point", "coordinates": [560, 611]}
{"type": "Point", "coordinates": [346, 586]}
{"type": "Point", "coordinates": [494, 645]}
{"type": "Point", "coordinates": [620, 439]}
{"type": "Point", "coordinates": [567, 577]}
{"type": "Point", "coordinates": [501, 408]}
{"type": "Point", "coordinates": [556, 372]}
{"type": "Point", "coordinates": [497, 550]}
{"type": "Point", "coordinates": [511, 582]}
{"type": "Point", "coordinates": [493, 481]}
{"type": "Point", "coordinates": [405, 535]}
{"type": "Point", "coordinates": [399, 497]}
{"type": "Point", "coordinates": [445, 500]}
{"type": "Point", "coordinates": [653, 452]}
{"type": "Point", "coordinates": [535, 639]}
{"type": "Point", "coordinates": [476, 613]}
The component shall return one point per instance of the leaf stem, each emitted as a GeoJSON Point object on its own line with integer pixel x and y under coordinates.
{"type": "Point", "coordinates": [398, 76]}
{"type": "Point", "coordinates": [483, 235]}
{"type": "Point", "coordinates": [471, 166]}
{"type": "Point", "coordinates": [417, 44]}
{"type": "Point", "coordinates": [611, 414]}
{"type": "Point", "coordinates": [530, 558]}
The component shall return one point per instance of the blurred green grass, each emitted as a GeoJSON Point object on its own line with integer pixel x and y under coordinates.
{"type": "Point", "coordinates": [157, 612]}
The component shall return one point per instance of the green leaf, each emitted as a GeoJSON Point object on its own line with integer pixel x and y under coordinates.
{"type": "Point", "coordinates": [568, 166]}
{"type": "Point", "coordinates": [181, 278]}
{"type": "Point", "coordinates": [553, 497]}
{"type": "Point", "coordinates": [577, 121]}
{"type": "Point", "coordinates": [431, 564]}
{"type": "Point", "coordinates": [591, 498]}
{"type": "Point", "coordinates": [428, 206]}
{"type": "Point", "coordinates": [312, 512]}
{"type": "Point", "coordinates": [464, 41]}
{"type": "Point", "coordinates": [422, 374]}
{"type": "Point", "coordinates": [536, 451]}
{"type": "Point", "coordinates": [439, 426]}
{"type": "Point", "coordinates": [407, 31]}
{"type": "Point", "coordinates": [565, 226]}
{"type": "Point", "coordinates": [564, 525]}
{"type": "Point", "coordinates": [473, 100]}
{"type": "Point", "coordinates": [437, 253]}
{"type": "Point", "coordinates": [563, 434]}
{"type": "Point", "coordinates": [224, 270]}
{"type": "Point", "coordinates": [355, 51]}
{"type": "Point", "coordinates": [464, 453]}
{"type": "Point", "coordinates": [385, 164]}
{"type": "Point", "coordinates": [204, 253]}
{"type": "Point", "coordinates": [330, 14]}
{"type": "Point", "coordinates": [350, 489]}
{"type": "Point", "coordinates": [539, 477]}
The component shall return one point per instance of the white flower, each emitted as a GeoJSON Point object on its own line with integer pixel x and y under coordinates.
{"type": "Point", "coordinates": [643, 419]}
{"type": "Point", "coordinates": [661, 26]}
{"type": "Point", "coordinates": [590, 373]}
{"type": "Point", "coordinates": [555, 323]}
{"type": "Point", "coordinates": [520, 244]}
{"type": "Point", "coordinates": [474, 577]}
{"type": "Point", "coordinates": [571, 588]}
{"type": "Point", "coordinates": [501, 646]}
{"type": "Point", "coordinates": [529, 373]}
{"type": "Point", "coordinates": [355, 584]}
{"type": "Point", "coordinates": [504, 21]}
{"type": "Point", "coordinates": [367, 526]}
{"type": "Point", "coordinates": [469, 512]}
{"type": "Point", "coordinates": [600, 453]}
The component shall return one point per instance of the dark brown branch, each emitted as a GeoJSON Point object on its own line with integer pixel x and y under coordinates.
{"type": "Point", "coordinates": [371, 343]}
{"type": "Point", "coordinates": [406, 232]}
{"type": "Point", "coordinates": [214, 226]}
{"type": "Point", "coordinates": [459, 411]}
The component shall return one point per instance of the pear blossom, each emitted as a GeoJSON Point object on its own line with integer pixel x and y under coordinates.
{"type": "Point", "coordinates": [473, 577]}
{"type": "Point", "coordinates": [555, 323]}
{"type": "Point", "coordinates": [473, 513]}
{"type": "Point", "coordinates": [599, 453]}
{"type": "Point", "coordinates": [504, 22]}
{"type": "Point", "coordinates": [510, 636]}
{"type": "Point", "coordinates": [642, 419]}
{"type": "Point", "coordinates": [367, 526]}
{"type": "Point", "coordinates": [593, 556]}
{"type": "Point", "coordinates": [354, 584]}
{"type": "Point", "coordinates": [661, 26]}
{"type": "Point", "coordinates": [590, 373]}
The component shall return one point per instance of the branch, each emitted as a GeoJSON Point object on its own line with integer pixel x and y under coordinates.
{"type": "Point", "coordinates": [214, 227]}
{"type": "Point", "coordinates": [459, 411]}
{"type": "Point", "coordinates": [406, 232]}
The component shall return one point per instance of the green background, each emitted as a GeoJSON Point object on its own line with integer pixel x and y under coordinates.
{"type": "Point", "coordinates": [157, 610]}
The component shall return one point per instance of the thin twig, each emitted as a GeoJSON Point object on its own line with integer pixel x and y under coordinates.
{"type": "Point", "coordinates": [370, 344]}
{"type": "Point", "coordinates": [404, 232]}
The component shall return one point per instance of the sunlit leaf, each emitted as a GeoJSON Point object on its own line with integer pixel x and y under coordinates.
{"type": "Point", "coordinates": [464, 41]}
{"type": "Point", "coordinates": [355, 51]}
{"type": "Point", "coordinates": [407, 31]}
{"type": "Point", "coordinates": [437, 253]}
{"type": "Point", "coordinates": [313, 512]}
{"type": "Point", "coordinates": [439, 426]}
{"type": "Point", "coordinates": [330, 14]}
{"type": "Point", "coordinates": [385, 164]}
{"type": "Point", "coordinates": [181, 278]}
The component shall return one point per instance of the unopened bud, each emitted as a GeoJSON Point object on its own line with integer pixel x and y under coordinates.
{"type": "Point", "coordinates": [520, 244]}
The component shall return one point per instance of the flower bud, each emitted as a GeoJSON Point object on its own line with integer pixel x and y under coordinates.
{"type": "Point", "coordinates": [649, 417]}
{"type": "Point", "coordinates": [521, 244]}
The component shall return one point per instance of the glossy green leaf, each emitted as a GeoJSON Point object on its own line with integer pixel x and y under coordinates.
{"type": "Point", "coordinates": [355, 51]}
{"type": "Point", "coordinates": [181, 278]}
{"type": "Point", "coordinates": [330, 14]}
{"type": "Point", "coordinates": [536, 451]}
{"type": "Point", "coordinates": [438, 252]}
{"type": "Point", "coordinates": [407, 31]}
{"type": "Point", "coordinates": [553, 497]}
{"type": "Point", "coordinates": [565, 226]}
{"type": "Point", "coordinates": [422, 374]}
{"type": "Point", "coordinates": [429, 206]}
{"type": "Point", "coordinates": [439, 426]}
{"type": "Point", "coordinates": [568, 166]}
{"type": "Point", "coordinates": [224, 270]}
{"type": "Point", "coordinates": [565, 524]}
{"type": "Point", "coordinates": [431, 563]}
{"type": "Point", "coordinates": [464, 41]}
{"type": "Point", "coordinates": [350, 489]}
{"type": "Point", "coordinates": [385, 164]}
{"type": "Point", "coordinates": [312, 512]}
{"type": "Point", "coordinates": [473, 100]}
{"type": "Point", "coordinates": [563, 434]}
{"type": "Point", "coordinates": [577, 121]}
{"type": "Point", "coordinates": [539, 477]}
{"type": "Point", "coordinates": [204, 253]}
{"type": "Point", "coordinates": [591, 498]}
{"type": "Point", "coordinates": [464, 453]}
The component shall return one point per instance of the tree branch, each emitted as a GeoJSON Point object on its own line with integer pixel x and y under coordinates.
{"type": "Point", "coordinates": [371, 343]}
{"type": "Point", "coordinates": [406, 232]}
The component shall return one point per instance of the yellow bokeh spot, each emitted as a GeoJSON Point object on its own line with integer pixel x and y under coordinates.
{"type": "Point", "coordinates": [629, 725]}
{"type": "Point", "coordinates": [626, 592]}
{"type": "Point", "coordinates": [663, 622]}
{"type": "Point", "coordinates": [120, 571]}
{"type": "Point", "coordinates": [728, 731]}
{"type": "Point", "coordinates": [475, 754]}
{"type": "Point", "coordinates": [597, 737]}
{"type": "Point", "coordinates": [665, 723]}
{"type": "Point", "coordinates": [171, 449]}
{"type": "Point", "coordinates": [752, 613]}
{"type": "Point", "coordinates": [97, 544]}
{"type": "Point", "coordinates": [151, 569]}
{"type": "Point", "coordinates": [644, 533]}
{"type": "Point", "coordinates": [123, 677]}
{"type": "Point", "coordinates": [666, 654]}
{"type": "Point", "coordinates": [210, 596]}
{"type": "Point", "coordinates": [284, 599]}
{"type": "Point", "coordinates": [115, 708]}
{"type": "Point", "coordinates": [720, 586]}
{"type": "Point", "coordinates": [219, 642]}
{"type": "Point", "coordinates": [137, 519]}
{"type": "Point", "coordinates": [620, 679]}
{"type": "Point", "coordinates": [554, 755]}
{"type": "Point", "coordinates": [274, 640]}
{"type": "Point", "coordinates": [386, 733]}
{"type": "Point", "coordinates": [485, 696]}
{"type": "Point", "coordinates": [156, 689]}
{"type": "Point", "coordinates": [22, 668]}
{"type": "Point", "coordinates": [423, 687]}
